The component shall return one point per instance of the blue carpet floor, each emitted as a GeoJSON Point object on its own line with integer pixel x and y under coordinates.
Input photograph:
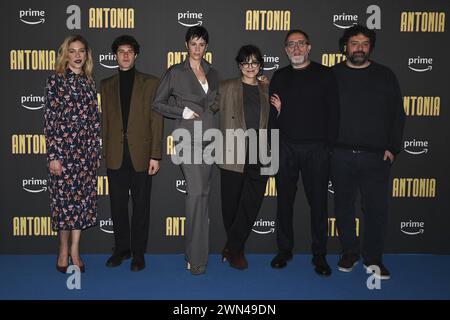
{"type": "Point", "coordinates": [35, 277]}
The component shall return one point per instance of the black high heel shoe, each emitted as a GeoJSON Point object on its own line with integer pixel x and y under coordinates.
{"type": "Point", "coordinates": [225, 254]}
{"type": "Point", "coordinates": [236, 261]}
{"type": "Point", "coordinates": [82, 267]}
{"type": "Point", "coordinates": [62, 269]}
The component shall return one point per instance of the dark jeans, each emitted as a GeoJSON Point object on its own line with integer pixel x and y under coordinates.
{"type": "Point", "coordinates": [242, 196]}
{"type": "Point", "coordinates": [121, 181]}
{"type": "Point", "coordinates": [367, 171]}
{"type": "Point", "coordinates": [313, 162]}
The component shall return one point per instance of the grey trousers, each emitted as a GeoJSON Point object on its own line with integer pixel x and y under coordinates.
{"type": "Point", "coordinates": [198, 181]}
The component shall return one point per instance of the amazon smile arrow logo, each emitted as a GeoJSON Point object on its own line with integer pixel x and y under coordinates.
{"type": "Point", "coordinates": [271, 230]}
{"type": "Point", "coordinates": [109, 67]}
{"type": "Point", "coordinates": [413, 233]}
{"type": "Point", "coordinates": [35, 191]}
{"type": "Point", "coordinates": [417, 152]}
{"type": "Point", "coordinates": [429, 68]}
{"type": "Point", "coordinates": [33, 108]}
{"type": "Point", "coordinates": [198, 23]}
{"type": "Point", "coordinates": [33, 22]}
{"type": "Point", "coordinates": [276, 66]}
{"type": "Point", "coordinates": [345, 27]}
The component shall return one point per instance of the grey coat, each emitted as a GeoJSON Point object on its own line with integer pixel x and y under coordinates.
{"type": "Point", "coordinates": [179, 88]}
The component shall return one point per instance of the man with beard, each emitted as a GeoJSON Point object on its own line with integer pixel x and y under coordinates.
{"type": "Point", "coordinates": [370, 134]}
{"type": "Point", "coordinates": [305, 102]}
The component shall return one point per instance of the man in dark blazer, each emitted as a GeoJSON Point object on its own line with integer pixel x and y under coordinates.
{"type": "Point", "coordinates": [132, 143]}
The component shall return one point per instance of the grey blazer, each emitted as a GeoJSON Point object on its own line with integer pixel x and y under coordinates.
{"type": "Point", "coordinates": [231, 107]}
{"type": "Point", "coordinates": [179, 88]}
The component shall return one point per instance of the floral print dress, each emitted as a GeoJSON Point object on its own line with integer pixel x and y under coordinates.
{"type": "Point", "coordinates": [72, 132]}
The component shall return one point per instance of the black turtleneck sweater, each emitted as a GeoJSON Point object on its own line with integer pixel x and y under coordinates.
{"type": "Point", "coordinates": [126, 81]}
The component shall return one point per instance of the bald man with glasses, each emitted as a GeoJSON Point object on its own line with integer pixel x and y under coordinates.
{"type": "Point", "coordinates": [305, 104]}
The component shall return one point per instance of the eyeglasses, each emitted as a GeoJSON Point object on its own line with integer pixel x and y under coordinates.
{"type": "Point", "coordinates": [300, 44]}
{"type": "Point", "coordinates": [253, 64]}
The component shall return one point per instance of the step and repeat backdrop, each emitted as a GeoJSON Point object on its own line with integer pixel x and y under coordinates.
{"type": "Point", "coordinates": [412, 39]}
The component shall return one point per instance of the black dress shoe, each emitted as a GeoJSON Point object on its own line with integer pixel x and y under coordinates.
{"type": "Point", "coordinates": [138, 262]}
{"type": "Point", "coordinates": [281, 259]}
{"type": "Point", "coordinates": [321, 266]}
{"type": "Point", "coordinates": [116, 259]}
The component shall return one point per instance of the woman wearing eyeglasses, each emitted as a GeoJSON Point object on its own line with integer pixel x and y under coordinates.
{"type": "Point", "coordinates": [244, 104]}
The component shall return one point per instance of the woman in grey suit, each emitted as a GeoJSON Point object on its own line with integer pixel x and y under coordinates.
{"type": "Point", "coordinates": [187, 92]}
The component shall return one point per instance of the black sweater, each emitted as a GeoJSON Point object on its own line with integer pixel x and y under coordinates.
{"type": "Point", "coordinates": [126, 81]}
{"type": "Point", "coordinates": [371, 116]}
{"type": "Point", "coordinates": [309, 104]}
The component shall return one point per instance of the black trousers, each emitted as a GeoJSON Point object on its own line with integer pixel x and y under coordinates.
{"type": "Point", "coordinates": [367, 171]}
{"type": "Point", "coordinates": [313, 162]}
{"type": "Point", "coordinates": [242, 196]}
{"type": "Point", "coordinates": [121, 182]}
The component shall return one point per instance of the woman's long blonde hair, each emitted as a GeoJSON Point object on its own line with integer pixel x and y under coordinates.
{"type": "Point", "coordinates": [62, 60]}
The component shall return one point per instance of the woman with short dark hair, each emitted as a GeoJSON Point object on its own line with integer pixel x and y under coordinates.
{"type": "Point", "coordinates": [244, 104]}
{"type": "Point", "coordinates": [187, 92]}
